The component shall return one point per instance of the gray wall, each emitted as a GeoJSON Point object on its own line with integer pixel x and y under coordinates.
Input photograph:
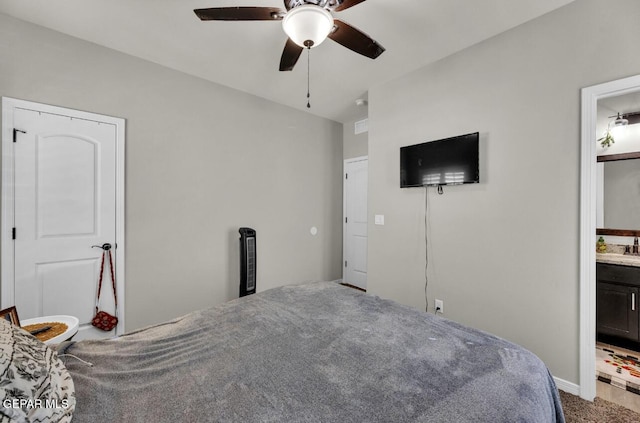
{"type": "Point", "coordinates": [202, 160]}
{"type": "Point", "coordinates": [503, 254]}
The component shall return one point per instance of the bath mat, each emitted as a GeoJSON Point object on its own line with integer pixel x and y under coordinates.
{"type": "Point", "coordinates": [618, 369]}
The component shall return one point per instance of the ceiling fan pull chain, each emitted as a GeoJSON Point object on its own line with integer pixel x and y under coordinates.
{"type": "Point", "coordinates": [308, 76]}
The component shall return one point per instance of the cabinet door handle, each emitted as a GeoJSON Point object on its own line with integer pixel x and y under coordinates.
{"type": "Point", "coordinates": [633, 301]}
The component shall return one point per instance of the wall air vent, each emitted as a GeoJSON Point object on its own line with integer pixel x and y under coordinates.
{"type": "Point", "coordinates": [361, 126]}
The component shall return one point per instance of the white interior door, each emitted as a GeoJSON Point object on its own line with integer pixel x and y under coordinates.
{"type": "Point", "coordinates": [355, 222]}
{"type": "Point", "coordinates": [65, 202]}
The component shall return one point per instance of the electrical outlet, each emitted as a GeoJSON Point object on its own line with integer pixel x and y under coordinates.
{"type": "Point", "coordinates": [439, 306]}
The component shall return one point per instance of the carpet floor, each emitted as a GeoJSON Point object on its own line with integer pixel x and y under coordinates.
{"type": "Point", "coordinates": [577, 410]}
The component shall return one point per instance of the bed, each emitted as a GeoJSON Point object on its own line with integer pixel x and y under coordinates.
{"type": "Point", "coordinates": [316, 352]}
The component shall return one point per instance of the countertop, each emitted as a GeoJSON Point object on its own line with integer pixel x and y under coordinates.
{"type": "Point", "coordinates": [613, 258]}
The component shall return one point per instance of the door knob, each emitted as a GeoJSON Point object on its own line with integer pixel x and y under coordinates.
{"type": "Point", "coordinates": [106, 246]}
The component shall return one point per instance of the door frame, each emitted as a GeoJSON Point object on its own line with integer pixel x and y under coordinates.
{"type": "Point", "coordinates": [344, 206]}
{"type": "Point", "coordinates": [7, 253]}
{"type": "Point", "coordinates": [590, 96]}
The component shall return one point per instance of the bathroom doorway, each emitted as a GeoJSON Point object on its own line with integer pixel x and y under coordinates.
{"type": "Point", "coordinates": [592, 97]}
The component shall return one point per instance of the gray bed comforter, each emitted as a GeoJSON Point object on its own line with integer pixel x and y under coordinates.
{"type": "Point", "coordinates": [316, 352]}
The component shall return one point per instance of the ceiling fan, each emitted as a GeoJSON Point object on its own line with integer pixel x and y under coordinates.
{"type": "Point", "coordinates": [307, 23]}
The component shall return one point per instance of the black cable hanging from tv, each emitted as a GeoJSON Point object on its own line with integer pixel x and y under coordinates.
{"type": "Point", "coordinates": [426, 247]}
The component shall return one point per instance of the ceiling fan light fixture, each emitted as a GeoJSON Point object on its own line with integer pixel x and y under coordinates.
{"type": "Point", "coordinates": [308, 25]}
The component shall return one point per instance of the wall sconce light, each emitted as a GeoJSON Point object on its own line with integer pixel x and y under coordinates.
{"type": "Point", "coordinates": [615, 129]}
{"type": "Point", "coordinates": [620, 121]}
{"type": "Point", "coordinates": [618, 126]}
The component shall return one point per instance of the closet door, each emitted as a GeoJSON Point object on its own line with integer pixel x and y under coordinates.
{"type": "Point", "coordinates": [65, 201]}
{"type": "Point", "coordinates": [355, 222]}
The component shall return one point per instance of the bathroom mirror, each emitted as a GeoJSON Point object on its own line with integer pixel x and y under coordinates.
{"type": "Point", "coordinates": [621, 194]}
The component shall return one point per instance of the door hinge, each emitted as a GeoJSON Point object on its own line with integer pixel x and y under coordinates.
{"type": "Point", "coordinates": [346, 220]}
{"type": "Point", "coordinates": [13, 233]}
{"type": "Point", "coordinates": [345, 263]}
{"type": "Point", "coordinates": [346, 176]}
{"type": "Point", "coordinates": [15, 133]}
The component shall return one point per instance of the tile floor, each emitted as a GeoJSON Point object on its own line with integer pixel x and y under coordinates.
{"type": "Point", "coordinates": [617, 395]}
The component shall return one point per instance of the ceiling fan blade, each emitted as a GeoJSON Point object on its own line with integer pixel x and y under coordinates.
{"type": "Point", "coordinates": [240, 14]}
{"type": "Point", "coordinates": [355, 40]}
{"type": "Point", "coordinates": [347, 4]}
{"type": "Point", "coordinates": [290, 55]}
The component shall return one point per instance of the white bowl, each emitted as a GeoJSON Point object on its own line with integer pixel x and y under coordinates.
{"type": "Point", "coordinates": [71, 322]}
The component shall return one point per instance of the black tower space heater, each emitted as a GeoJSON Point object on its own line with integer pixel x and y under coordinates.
{"type": "Point", "coordinates": [247, 261]}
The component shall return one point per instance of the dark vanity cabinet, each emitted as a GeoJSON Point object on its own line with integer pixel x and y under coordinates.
{"type": "Point", "coordinates": [617, 291]}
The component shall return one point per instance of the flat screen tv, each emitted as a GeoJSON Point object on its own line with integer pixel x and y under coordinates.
{"type": "Point", "coordinates": [449, 161]}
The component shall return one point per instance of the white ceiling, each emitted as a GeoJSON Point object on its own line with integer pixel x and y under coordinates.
{"type": "Point", "coordinates": [246, 55]}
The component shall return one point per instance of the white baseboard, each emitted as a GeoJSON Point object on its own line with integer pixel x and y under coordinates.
{"type": "Point", "coordinates": [566, 386]}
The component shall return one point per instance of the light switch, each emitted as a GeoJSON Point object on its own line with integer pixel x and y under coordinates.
{"type": "Point", "coordinates": [379, 219]}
